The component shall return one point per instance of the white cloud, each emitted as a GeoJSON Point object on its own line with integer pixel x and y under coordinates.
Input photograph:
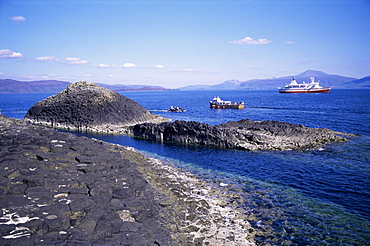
{"type": "Point", "coordinates": [17, 18]}
{"type": "Point", "coordinates": [71, 59]}
{"type": "Point", "coordinates": [110, 76]}
{"type": "Point", "coordinates": [104, 65]}
{"type": "Point", "coordinates": [5, 53]}
{"type": "Point", "coordinates": [46, 58]}
{"type": "Point", "coordinates": [75, 60]}
{"type": "Point", "coordinates": [249, 40]}
{"type": "Point", "coordinates": [83, 76]}
{"type": "Point", "coordinates": [190, 70]}
{"type": "Point", "coordinates": [80, 62]}
{"type": "Point", "coordinates": [28, 77]}
{"type": "Point", "coordinates": [289, 42]}
{"type": "Point", "coordinates": [159, 66]}
{"type": "Point", "coordinates": [129, 65]}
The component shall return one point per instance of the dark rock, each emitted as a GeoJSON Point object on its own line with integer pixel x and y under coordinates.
{"type": "Point", "coordinates": [4, 185]}
{"type": "Point", "coordinates": [243, 134]}
{"type": "Point", "coordinates": [89, 107]}
{"type": "Point", "coordinates": [111, 196]}
{"type": "Point", "coordinates": [58, 189]}
{"type": "Point", "coordinates": [57, 223]}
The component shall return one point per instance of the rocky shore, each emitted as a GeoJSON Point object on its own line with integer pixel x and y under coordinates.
{"type": "Point", "coordinates": [60, 189]}
{"type": "Point", "coordinates": [243, 134]}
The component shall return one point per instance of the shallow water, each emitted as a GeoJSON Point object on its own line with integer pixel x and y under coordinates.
{"type": "Point", "coordinates": [318, 197]}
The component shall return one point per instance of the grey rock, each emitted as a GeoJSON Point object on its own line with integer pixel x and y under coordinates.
{"type": "Point", "coordinates": [51, 197]}
{"type": "Point", "coordinates": [243, 134]}
{"type": "Point", "coordinates": [89, 107]}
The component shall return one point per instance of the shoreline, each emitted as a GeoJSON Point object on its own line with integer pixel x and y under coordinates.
{"type": "Point", "coordinates": [57, 187]}
{"type": "Point", "coordinates": [211, 211]}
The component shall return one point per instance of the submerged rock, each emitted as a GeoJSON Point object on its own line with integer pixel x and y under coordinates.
{"type": "Point", "coordinates": [243, 134]}
{"type": "Point", "coordinates": [89, 107]}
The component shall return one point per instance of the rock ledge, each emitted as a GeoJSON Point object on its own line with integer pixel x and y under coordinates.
{"type": "Point", "coordinates": [60, 189]}
{"type": "Point", "coordinates": [243, 134]}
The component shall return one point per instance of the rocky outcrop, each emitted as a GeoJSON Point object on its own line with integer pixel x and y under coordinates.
{"type": "Point", "coordinates": [60, 189]}
{"type": "Point", "coordinates": [89, 107]}
{"type": "Point", "coordinates": [243, 134]}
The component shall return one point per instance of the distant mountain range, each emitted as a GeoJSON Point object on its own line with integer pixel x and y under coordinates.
{"type": "Point", "coordinates": [134, 87]}
{"type": "Point", "coordinates": [364, 82]}
{"type": "Point", "coordinates": [55, 86]}
{"type": "Point", "coordinates": [10, 86]}
{"type": "Point", "coordinates": [44, 86]}
{"type": "Point", "coordinates": [336, 81]}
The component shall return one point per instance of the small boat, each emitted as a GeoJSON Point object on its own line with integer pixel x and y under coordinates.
{"type": "Point", "coordinates": [312, 87]}
{"type": "Point", "coordinates": [217, 102]}
{"type": "Point", "coordinates": [176, 109]}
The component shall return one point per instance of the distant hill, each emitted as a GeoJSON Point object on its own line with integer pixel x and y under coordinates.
{"type": "Point", "coordinates": [119, 87]}
{"type": "Point", "coordinates": [358, 83]}
{"type": "Point", "coordinates": [227, 85]}
{"type": "Point", "coordinates": [9, 86]}
{"type": "Point", "coordinates": [55, 86]}
{"type": "Point", "coordinates": [195, 87]}
{"type": "Point", "coordinates": [274, 83]}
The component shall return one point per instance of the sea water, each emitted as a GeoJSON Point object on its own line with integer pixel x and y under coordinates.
{"type": "Point", "coordinates": [316, 197]}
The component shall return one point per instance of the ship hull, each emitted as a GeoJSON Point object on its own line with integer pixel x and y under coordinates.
{"type": "Point", "coordinates": [321, 90]}
{"type": "Point", "coordinates": [233, 106]}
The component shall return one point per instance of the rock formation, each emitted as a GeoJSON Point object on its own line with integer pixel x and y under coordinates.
{"type": "Point", "coordinates": [60, 189]}
{"type": "Point", "coordinates": [243, 134]}
{"type": "Point", "coordinates": [89, 107]}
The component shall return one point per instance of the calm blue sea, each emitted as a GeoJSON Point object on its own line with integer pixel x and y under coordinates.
{"type": "Point", "coordinates": [318, 197]}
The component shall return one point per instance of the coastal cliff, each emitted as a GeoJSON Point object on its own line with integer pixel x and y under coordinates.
{"type": "Point", "coordinates": [243, 134]}
{"type": "Point", "coordinates": [86, 106]}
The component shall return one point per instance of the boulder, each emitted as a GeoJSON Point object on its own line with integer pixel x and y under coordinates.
{"type": "Point", "coordinates": [85, 106]}
{"type": "Point", "coordinates": [243, 134]}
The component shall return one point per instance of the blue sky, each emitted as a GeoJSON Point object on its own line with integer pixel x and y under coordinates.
{"type": "Point", "coordinates": [177, 43]}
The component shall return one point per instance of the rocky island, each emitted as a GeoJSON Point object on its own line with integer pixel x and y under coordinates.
{"type": "Point", "coordinates": [87, 107]}
{"type": "Point", "coordinates": [243, 134]}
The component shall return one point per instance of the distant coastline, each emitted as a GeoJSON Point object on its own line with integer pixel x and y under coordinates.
{"type": "Point", "coordinates": [10, 86]}
{"type": "Point", "coordinates": [148, 89]}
